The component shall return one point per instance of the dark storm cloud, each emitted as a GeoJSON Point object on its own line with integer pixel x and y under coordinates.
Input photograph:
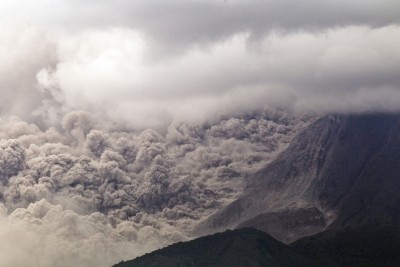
{"type": "Point", "coordinates": [196, 21]}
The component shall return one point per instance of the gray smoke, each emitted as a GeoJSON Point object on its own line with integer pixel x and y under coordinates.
{"type": "Point", "coordinates": [90, 196]}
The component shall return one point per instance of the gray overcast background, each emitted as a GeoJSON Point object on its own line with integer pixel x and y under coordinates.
{"type": "Point", "coordinates": [149, 62]}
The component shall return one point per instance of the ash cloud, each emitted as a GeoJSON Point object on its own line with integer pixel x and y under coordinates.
{"type": "Point", "coordinates": [86, 195]}
{"type": "Point", "coordinates": [48, 235]}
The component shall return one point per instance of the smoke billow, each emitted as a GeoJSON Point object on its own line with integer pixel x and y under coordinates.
{"type": "Point", "coordinates": [87, 195]}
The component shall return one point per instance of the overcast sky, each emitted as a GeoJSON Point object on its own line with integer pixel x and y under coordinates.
{"type": "Point", "coordinates": [148, 62]}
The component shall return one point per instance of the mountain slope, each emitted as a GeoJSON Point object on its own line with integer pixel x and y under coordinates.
{"type": "Point", "coordinates": [342, 168]}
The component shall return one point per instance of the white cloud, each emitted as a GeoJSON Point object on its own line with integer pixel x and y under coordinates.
{"type": "Point", "coordinates": [197, 59]}
{"type": "Point", "coordinates": [108, 72]}
{"type": "Point", "coordinates": [113, 73]}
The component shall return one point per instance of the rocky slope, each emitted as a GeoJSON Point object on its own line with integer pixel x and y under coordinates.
{"type": "Point", "coordinates": [340, 171]}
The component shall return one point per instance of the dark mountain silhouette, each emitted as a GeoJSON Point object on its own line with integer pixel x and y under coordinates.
{"type": "Point", "coordinates": [244, 247]}
{"type": "Point", "coordinates": [248, 247]}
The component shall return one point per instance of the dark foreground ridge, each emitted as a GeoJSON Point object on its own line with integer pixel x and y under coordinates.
{"type": "Point", "coordinates": [243, 247]}
{"type": "Point", "coordinates": [251, 247]}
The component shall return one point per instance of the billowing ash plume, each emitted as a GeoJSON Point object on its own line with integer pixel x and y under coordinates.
{"type": "Point", "coordinates": [86, 195]}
